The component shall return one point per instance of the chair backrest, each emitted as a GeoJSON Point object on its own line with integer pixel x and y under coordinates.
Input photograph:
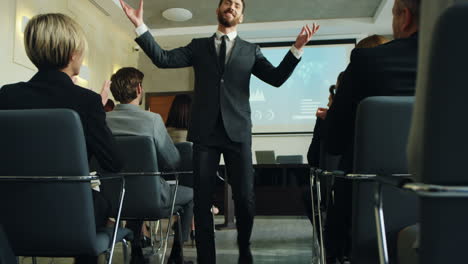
{"type": "Point", "coordinates": [444, 128]}
{"type": "Point", "coordinates": [45, 218]}
{"type": "Point", "coordinates": [443, 138]}
{"type": "Point", "coordinates": [146, 196]}
{"type": "Point", "coordinates": [382, 128]}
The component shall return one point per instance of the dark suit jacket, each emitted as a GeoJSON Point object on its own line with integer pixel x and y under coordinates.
{"type": "Point", "coordinates": [55, 89]}
{"type": "Point", "coordinates": [386, 70]}
{"type": "Point", "coordinates": [217, 92]}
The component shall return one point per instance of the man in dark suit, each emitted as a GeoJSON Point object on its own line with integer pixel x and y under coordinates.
{"type": "Point", "coordinates": [221, 122]}
{"type": "Point", "coordinates": [386, 70]}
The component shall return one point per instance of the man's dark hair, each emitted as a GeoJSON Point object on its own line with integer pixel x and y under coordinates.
{"type": "Point", "coordinates": [243, 5]}
{"type": "Point", "coordinates": [179, 114]}
{"type": "Point", "coordinates": [124, 84]}
{"type": "Point", "coordinates": [413, 6]}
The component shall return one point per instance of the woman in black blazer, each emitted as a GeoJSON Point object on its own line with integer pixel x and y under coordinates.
{"type": "Point", "coordinates": [56, 45]}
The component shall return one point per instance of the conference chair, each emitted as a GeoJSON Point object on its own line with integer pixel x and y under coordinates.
{"type": "Point", "coordinates": [147, 193]}
{"type": "Point", "coordinates": [439, 181]}
{"type": "Point", "coordinates": [47, 205]}
{"type": "Point", "coordinates": [382, 126]}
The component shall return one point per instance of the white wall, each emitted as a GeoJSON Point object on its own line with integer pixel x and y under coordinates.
{"type": "Point", "coordinates": [110, 45]}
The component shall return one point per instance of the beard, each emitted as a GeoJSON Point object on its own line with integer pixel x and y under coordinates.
{"type": "Point", "coordinates": [223, 21]}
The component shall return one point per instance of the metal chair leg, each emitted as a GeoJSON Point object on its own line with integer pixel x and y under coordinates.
{"type": "Point", "coordinates": [170, 220]}
{"type": "Point", "coordinates": [126, 259]}
{"type": "Point", "coordinates": [380, 224]}
{"type": "Point", "coordinates": [34, 260]}
{"type": "Point", "coordinates": [313, 181]}
{"type": "Point", "coordinates": [319, 200]}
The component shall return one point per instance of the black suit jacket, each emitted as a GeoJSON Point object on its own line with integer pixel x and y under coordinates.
{"type": "Point", "coordinates": [55, 89]}
{"type": "Point", "coordinates": [386, 70]}
{"type": "Point", "coordinates": [215, 91]}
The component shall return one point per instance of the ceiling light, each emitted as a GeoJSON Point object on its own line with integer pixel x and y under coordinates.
{"type": "Point", "coordinates": [177, 14]}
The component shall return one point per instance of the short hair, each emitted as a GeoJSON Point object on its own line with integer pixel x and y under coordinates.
{"type": "Point", "coordinates": [179, 114]}
{"type": "Point", "coordinates": [243, 5]}
{"type": "Point", "coordinates": [412, 5]}
{"type": "Point", "coordinates": [124, 84]}
{"type": "Point", "coordinates": [52, 39]}
{"type": "Point", "coordinates": [372, 41]}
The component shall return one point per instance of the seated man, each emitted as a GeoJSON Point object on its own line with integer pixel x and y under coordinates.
{"type": "Point", "coordinates": [56, 45]}
{"type": "Point", "coordinates": [386, 70]}
{"type": "Point", "coordinates": [128, 118]}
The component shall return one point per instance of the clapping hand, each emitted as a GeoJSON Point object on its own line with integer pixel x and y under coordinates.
{"type": "Point", "coordinates": [105, 92]}
{"type": "Point", "coordinates": [321, 113]}
{"type": "Point", "coordinates": [305, 35]}
{"type": "Point", "coordinates": [135, 16]}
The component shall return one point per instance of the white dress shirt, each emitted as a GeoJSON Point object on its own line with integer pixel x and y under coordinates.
{"type": "Point", "coordinates": [229, 43]}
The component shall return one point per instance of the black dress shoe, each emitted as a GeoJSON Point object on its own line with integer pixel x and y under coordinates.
{"type": "Point", "coordinates": [245, 256]}
{"type": "Point", "coordinates": [173, 260]}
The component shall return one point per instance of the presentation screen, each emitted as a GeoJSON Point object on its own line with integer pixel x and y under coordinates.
{"type": "Point", "coordinates": [291, 107]}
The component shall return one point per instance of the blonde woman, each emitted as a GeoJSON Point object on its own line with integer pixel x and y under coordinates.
{"type": "Point", "coordinates": [56, 46]}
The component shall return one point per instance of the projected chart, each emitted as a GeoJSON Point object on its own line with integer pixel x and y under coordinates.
{"type": "Point", "coordinates": [291, 108]}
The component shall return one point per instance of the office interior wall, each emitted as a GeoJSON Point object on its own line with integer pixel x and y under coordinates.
{"type": "Point", "coordinates": [110, 47]}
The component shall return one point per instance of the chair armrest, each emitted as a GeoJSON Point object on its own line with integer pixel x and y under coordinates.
{"type": "Point", "coordinates": [432, 190]}
{"type": "Point", "coordinates": [352, 176]}
{"type": "Point", "coordinates": [49, 178]}
{"type": "Point", "coordinates": [145, 173]}
{"type": "Point", "coordinates": [396, 180]}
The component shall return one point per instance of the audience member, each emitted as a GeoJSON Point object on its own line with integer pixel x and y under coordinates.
{"type": "Point", "coordinates": [386, 70]}
{"type": "Point", "coordinates": [178, 119]}
{"type": "Point", "coordinates": [371, 42]}
{"type": "Point", "coordinates": [56, 45]}
{"type": "Point", "coordinates": [129, 119]}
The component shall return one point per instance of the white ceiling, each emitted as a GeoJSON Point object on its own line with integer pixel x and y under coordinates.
{"type": "Point", "coordinates": [265, 20]}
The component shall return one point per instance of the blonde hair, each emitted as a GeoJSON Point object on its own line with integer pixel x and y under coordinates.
{"type": "Point", "coordinates": [51, 40]}
{"type": "Point", "coordinates": [372, 41]}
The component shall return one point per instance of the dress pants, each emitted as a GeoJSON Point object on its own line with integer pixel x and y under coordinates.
{"type": "Point", "coordinates": [238, 160]}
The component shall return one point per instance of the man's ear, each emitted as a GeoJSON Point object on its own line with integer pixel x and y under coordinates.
{"type": "Point", "coordinates": [407, 19]}
{"type": "Point", "coordinates": [241, 18]}
{"type": "Point", "coordinates": [139, 89]}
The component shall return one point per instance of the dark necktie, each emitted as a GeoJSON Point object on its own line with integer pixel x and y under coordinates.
{"type": "Point", "coordinates": [222, 52]}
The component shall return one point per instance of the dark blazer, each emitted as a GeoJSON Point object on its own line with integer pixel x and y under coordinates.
{"type": "Point", "coordinates": [55, 89]}
{"type": "Point", "coordinates": [318, 137]}
{"type": "Point", "coordinates": [386, 70]}
{"type": "Point", "coordinates": [217, 92]}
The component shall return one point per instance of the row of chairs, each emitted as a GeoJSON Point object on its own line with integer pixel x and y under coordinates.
{"type": "Point", "coordinates": [45, 187]}
{"type": "Point", "coordinates": [386, 198]}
